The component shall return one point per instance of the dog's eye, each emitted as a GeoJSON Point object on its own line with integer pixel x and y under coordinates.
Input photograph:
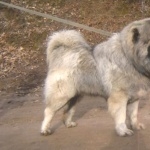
{"type": "Point", "coordinates": [145, 42]}
{"type": "Point", "coordinates": [148, 52]}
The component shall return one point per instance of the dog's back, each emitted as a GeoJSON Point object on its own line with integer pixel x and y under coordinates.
{"type": "Point", "coordinates": [68, 52]}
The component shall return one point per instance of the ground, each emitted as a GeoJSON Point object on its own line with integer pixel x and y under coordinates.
{"type": "Point", "coordinates": [20, 127]}
{"type": "Point", "coordinates": [23, 69]}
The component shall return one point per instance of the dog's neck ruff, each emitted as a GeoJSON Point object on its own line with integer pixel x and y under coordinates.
{"type": "Point", "coordinates": [141, 70]}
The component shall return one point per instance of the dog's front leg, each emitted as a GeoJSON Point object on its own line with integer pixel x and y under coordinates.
{"type": "Point", "coordinates": [132, 110]}
{"type": "Point", "coordinates": [117, 104]}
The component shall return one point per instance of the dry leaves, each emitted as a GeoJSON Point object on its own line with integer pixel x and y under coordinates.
{"type": "Point", "coordinates": [23, 36]}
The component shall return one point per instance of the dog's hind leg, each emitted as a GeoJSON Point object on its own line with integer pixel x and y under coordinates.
{"type": "Point", "coordinates": [132, 111]}
{"type": "Point", "coordinates": [49, 112]}
{"type": "Point", "coordinates": [59, 89]}
{"type": "Point", "coordinates": [48, 115]}
{"type": "Point", "coordinates": [70, 111]}
{"type": "Point", "coordinates": [117, 104]}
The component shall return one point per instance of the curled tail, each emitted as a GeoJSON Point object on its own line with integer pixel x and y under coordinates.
{"type": "Point", "coordinates": [66, 38]}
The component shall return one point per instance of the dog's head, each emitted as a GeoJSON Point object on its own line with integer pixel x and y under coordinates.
{"type": "Point", "coordinates": [135, 40]}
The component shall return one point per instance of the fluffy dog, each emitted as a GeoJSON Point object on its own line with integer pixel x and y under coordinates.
{"type": "Point", "coordinates": [117, 69]}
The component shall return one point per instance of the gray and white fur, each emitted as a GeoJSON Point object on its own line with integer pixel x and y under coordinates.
{"type": "Point", "coordinates": [117, 69]}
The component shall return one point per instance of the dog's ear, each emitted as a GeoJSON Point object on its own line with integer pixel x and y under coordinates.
{"type": "Point", "coordinates": [136, 35]}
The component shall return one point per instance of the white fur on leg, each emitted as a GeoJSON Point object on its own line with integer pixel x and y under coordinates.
{"type": "Point", "coordinates": [132, 111]}
{"type": "Point", "coordinates": [46, 132]}
{"type": "Point", "coordinates": [48, 115]}
{"type": "Point", "coordinates": [70, 124]}
{"type": "Point", "coordinates": [122, 130]}
{"type": "Point", "coordinates": [68, 119]}
{"type": "Point", "coordinates": [138, 126]}
{"type": "Point", "coordinates": [117, 107]}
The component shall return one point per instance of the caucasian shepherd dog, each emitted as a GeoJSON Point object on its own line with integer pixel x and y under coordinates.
{"type": "Point", "coordinates": [117, 69]}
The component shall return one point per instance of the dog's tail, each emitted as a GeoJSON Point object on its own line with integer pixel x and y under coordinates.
{"type": "Point", "coordinates": [66, 38]}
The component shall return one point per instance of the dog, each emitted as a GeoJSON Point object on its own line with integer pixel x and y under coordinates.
{"type": "Point", "coordinates": [117, 69]}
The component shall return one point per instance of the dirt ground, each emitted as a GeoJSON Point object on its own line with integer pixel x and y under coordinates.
{"type": "Point", "coordinates": [23, 70]}
{"type": "Point", "coordinates": [20, 120]}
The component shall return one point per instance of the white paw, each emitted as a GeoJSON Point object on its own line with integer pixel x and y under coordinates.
{"type": "Point", "coordinates": [70, 124]}
{"type": "Point", "coordinates": [46, 132]}
{"type": "Point", "coordinates": [138, 126]}
{"type": "Point", "coordinates": [122, 130]}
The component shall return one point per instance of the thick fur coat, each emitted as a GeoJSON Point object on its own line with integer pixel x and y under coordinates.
{"type": "Point", "coordinates": [117, 69]}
